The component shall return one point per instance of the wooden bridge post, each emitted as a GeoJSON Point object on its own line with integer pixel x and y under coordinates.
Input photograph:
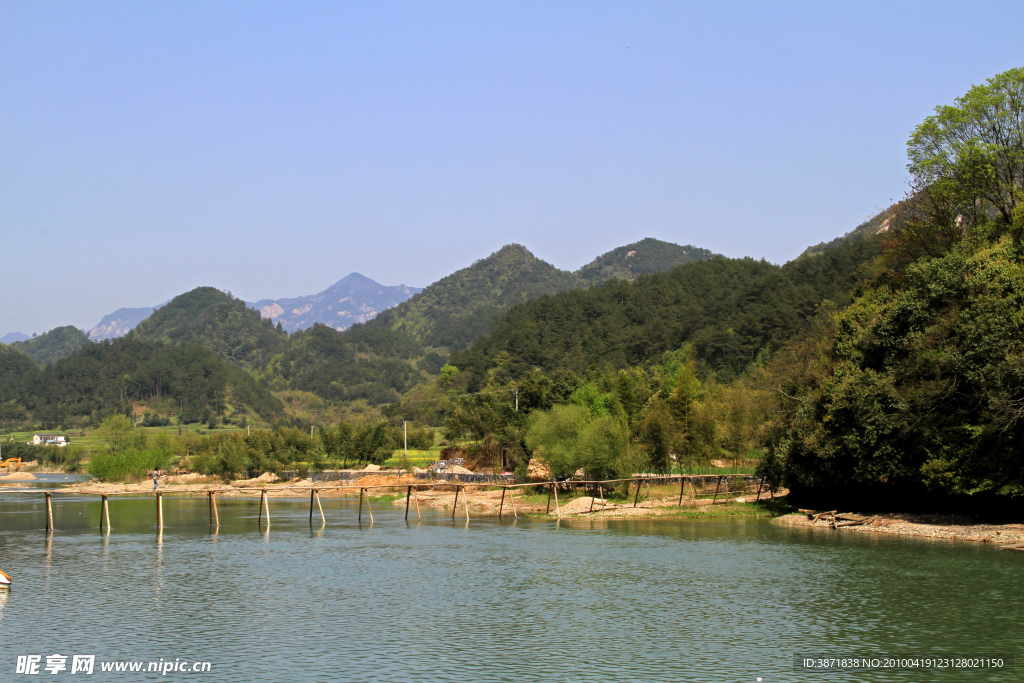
{"type": "Point", "coordinates": [49, 513]}
{"type": "Point", "coordinates": [418, 516]}
{"type": "Point", "coordinates": [547, 510]}
{"type": "Point", "coordinates": [455, 505]}
{"type": "Point", "coordinates": [558, 510]}
{"type": "Point", "coordinates": [759, 485]}
{"type": "Point", "coordinates": [214, 517]}
{"type": "Point", "coordinates": [105, 514]}
{"type": "Point", "coordinates": [408, 497]}
{"type": "Point", "coordinates": [465, 502]}
{"type": "Point", "coordinates": [682, 488]}
{"type": "Point", "coordinates": [320, 507]}
{"type": "Point", "coordinates": [501, 506]}
{"type": "Point", "coordinates": [311, 506]}
{"type": "Point", "coordinates": [716, 490]}
{"type": "Point", "coordinates": [361, 504]}
{"type": "Point", "coordinates": [159, 510]}
{"type": "Point", "coordinates": [264, 501]}
{"type": "Point", "coordinates": [368, 508]}
{"type": "Point", "coordinates": [512, 502]}
{"type": "Point", "coordinates": [637, 497]}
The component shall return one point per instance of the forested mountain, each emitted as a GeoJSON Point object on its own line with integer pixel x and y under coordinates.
{"type": "Point", "coordinates": [374, 364]}
{"type": "Point", "coordinates": [640, 258]}
{"type": "Point", "coordinates": [60, 342]}
{"type": "Point", "coordinates": [877, 224]}
{"type": "Point", "coordinates": [109, 376]}
{"type": "Point", "coordinates": [219, 322]}
{"type": "Point", "coordinates": [457, 309]}
{"type": "Point", "coordinates": [732, 310]}
{"type": "Point", "coordinates": [353, 299]}
{"type": "Point", "coordinates": [120, 322]}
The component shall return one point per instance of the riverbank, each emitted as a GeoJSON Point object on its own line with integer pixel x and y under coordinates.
{"type": "Point", "coordinates": [947, 527]}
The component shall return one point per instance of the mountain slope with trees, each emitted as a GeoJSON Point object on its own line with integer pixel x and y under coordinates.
{"type": "Point", "coordinates": [731, 310]}
{"type": "Point", "coordinates": [645, 257]}
{"type": "Point", "coordinates": [457, 309]}
{"type": "Point", "coordinates": [60, 342]}
{"type": "Point", "coordinates": [216, 320]}
{"type": "Point", "coordinates": [109, 377]}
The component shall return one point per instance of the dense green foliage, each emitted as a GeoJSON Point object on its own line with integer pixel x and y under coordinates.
{"type": "Point", "coordinates": [457, 309]}
{"type": "Point", "coordinates": [732, 310]}
{"type": "Point", "coordinates": [371, 363]}
{"type": "Point", "coordinates": [108, 377]}
{"type": "Point", "coordinates": [924, 385]}
{"type": "Point", "coordinates": [58, 343]}
{"type": "Point", "coordinates": [216, 320]}
{"type": "Point", "coordinates": [640, 258]}
{"type": "Point", "coordinates": [915, 392]}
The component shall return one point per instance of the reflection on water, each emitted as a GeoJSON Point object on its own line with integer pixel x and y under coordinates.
{"type": "Point", "coordinates": [446, 600]}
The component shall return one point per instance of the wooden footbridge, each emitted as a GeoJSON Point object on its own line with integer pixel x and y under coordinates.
{"type": "Point", "coordinates": [411, 496]}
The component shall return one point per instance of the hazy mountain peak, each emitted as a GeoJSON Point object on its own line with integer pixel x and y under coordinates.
{"type": "Point", "coordinates": [12, 337]}
{"type": "Point", "coordinates": [354, 298]}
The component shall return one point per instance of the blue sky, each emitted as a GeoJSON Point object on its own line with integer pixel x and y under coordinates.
{"type": "Point", "coordinates": [270, 148]}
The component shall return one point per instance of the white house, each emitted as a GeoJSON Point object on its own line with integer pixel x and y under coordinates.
{"type": "Point", "coordinates": [48, 440]}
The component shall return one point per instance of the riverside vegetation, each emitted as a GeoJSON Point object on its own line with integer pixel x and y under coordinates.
{"type": "Point", "coordinates": [885, 368]}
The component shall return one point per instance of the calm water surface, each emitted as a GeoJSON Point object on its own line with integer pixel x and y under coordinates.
{"type": "Point", "coordinates": [533, 600]}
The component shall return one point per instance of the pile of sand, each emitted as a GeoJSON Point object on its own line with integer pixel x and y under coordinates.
{"type": "Point", "coordinates": [459, 469]}
{"type": "Point", "coordinates": [18, 476]}
{"type": "Point", "coordinates": [582, 505]}
{"type": "Point", "coordinates": [371, 468]}
{"type": "Point", "coordinates": [190, 478]}
{"type": "Point", "coordinates": [265, 478]}
{"type": "Point", "coordinates": [384, 480]}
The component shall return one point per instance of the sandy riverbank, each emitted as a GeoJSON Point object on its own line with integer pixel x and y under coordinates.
{"type": "Point", "coordinates": [948, 527]}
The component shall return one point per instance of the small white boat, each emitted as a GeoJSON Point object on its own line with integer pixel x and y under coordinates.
{"type": "Point", "coordinates": [5, 581]}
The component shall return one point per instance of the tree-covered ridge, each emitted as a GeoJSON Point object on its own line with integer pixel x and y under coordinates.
{"type": "Point", "coordinates": [645, 257]}
{"type": "Point", "coordinates": [60, 342]}
{"type": "Point", "coordinates": [216, 320]}
{"type": "Point", "coordinates": [370, 363]}
{"type": "Point", "coordinates": [731, 310]}
{"type": "Point", "coordinates": [457, 309]}
{"type": "Point", "coordinates": [109, 377]}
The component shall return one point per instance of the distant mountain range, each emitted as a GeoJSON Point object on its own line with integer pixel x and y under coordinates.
{"type": "Point", "coordinates": [12, 337]}
{"type": "Point", "coordinates": [353, 299]}
{"type": "Point", "coordinates": [120, 322]}
{"type": "Point", "coordinates": [449, 314]}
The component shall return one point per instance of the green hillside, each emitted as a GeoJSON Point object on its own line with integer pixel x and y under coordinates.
{"type": "Point", "coordinates": [107, 378]}
{"type": "Point", "coordinates": [219, 322]}
{"type": "Point", "coordinates": [58, 343]}
{"type": "Point", "coordinates": [375, 365]}
{"type": "Point", "coordinates": [640, 258]}
{"type": "Point", "coordinates": [731, 310]}
{"type": "Point", "coordinates": [457, 309]}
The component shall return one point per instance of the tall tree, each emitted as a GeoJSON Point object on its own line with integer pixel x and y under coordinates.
{"type": "Point", "coordinates": [976, 146]}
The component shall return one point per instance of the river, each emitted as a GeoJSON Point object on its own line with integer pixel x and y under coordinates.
{"type": "Point", "coordinates": [526, 600]}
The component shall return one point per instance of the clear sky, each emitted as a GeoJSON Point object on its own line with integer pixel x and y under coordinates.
{"type": "Point", "coordinates": [270, 148]}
